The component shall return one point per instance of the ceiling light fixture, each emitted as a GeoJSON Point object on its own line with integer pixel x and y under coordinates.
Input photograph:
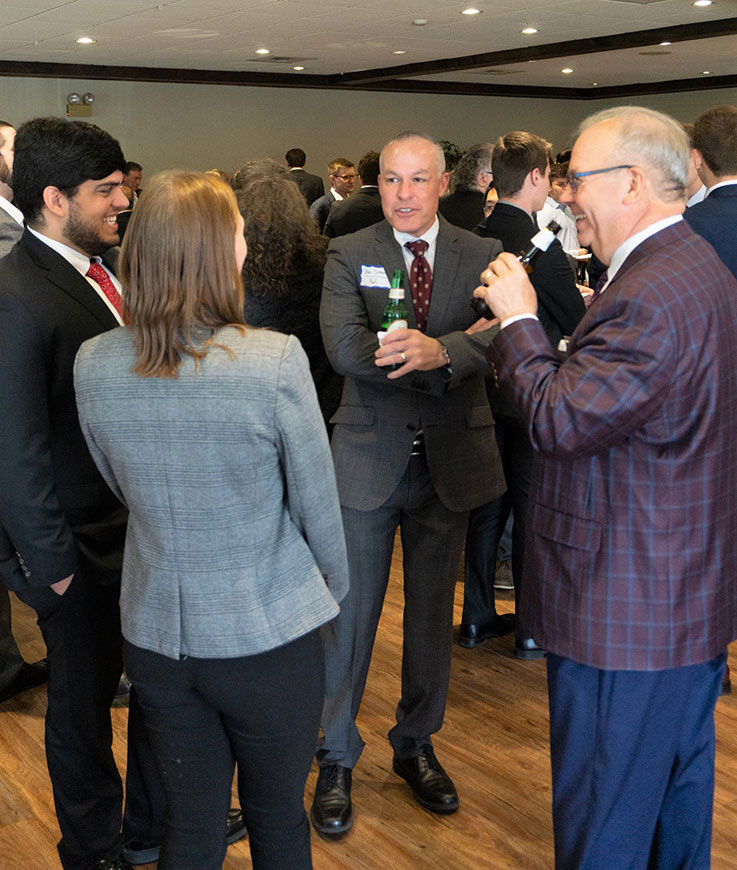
{"type": "Point", "coordinates": [567, 70]}
{"type": "Point", "coordinates": [701, 3]}
{"type": "Point", "coordinates": [594, 84]}
{"type": "Point", "coordinates": [86, 40]}
{"type": "Point", "coordinates": [298, 68]}
{"type": "Point", "coordinates": [470, 11]}
{"type": "Point", "coordinates": [400, 51]}
{"type": "Point", "coordinates": [421, 22]}
{"type": "Point", "coordinates": [263, 51]}
{"type": "Point", "coordinates": [706, 72]}
{"type": "Point", "coordinates": [528, 31]}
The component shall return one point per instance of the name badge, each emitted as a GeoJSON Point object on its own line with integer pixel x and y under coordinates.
{"type": "Point", "coordinates": [374, 276]}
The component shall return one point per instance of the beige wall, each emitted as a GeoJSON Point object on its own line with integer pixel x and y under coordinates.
{"type": "Point", "coordinates": [202, 126]}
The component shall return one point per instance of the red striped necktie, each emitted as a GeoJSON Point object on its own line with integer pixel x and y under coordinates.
{"type": "Point", "coordinates": [100, 276]}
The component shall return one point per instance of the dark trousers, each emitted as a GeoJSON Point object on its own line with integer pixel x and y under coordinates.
{"type": "Point", "coordinates": [82, 633]}
{"type": "Point", "coordinates": [486, 527]}
{"type": "Point", "coordinates": [11, 661]}
{"type": "Point", "coordinates": [205, 715]}
{"type": "Point", "coordinates": [632, 755]}
{"type": "Point", "coordinates": [432, 537]}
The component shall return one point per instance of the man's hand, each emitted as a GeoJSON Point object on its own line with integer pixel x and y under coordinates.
{"type": "Point", "coordinates": [411, 350]}
{"type": "Point", "coordinates": [62, 585]}
{"type": "Point", "coordinates": [481, 325]}
{"type": "Point", "coordinates": [506, 288]}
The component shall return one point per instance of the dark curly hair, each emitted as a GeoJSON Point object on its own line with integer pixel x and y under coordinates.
{"type": "Point", "coordinates": [280, 234]}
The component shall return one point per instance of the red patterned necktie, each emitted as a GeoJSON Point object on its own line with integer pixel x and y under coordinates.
{"type": "Point", "coordinates": [101, 277]}
{"type": "Point", "coordinates": [603, 278]}
{"type": "Point", "coordinates": [420, 282]}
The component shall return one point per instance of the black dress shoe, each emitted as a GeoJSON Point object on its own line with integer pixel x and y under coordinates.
{"type": "Point", "coordinates": [30, 675]}
{"type": "Point", "coordinates": [141, 853]}
{"type": "Point", "coordinates": [118, 863]}
{"type": "Point", "coordinates": [431, 786]}
{"type": "Point", "coordinates": [526, 648]}
{"type": "Point", "coordinates": [332, 810]}
{"type": "Point", "coordinates": [474, 634]}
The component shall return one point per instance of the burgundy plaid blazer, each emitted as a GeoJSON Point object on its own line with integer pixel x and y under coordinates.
{"type": "Point", "coordinates": [631, 558]}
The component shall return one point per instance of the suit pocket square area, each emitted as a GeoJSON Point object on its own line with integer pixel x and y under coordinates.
{"type": "Point", "coordinates": [581, 533]}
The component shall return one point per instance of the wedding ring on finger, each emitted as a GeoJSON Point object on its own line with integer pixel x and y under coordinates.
{"type": "Point", "coordinates": [403, 355]}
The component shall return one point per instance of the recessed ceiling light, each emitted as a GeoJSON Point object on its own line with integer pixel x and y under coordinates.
{"type": "Point", "coordinates": [594, 84]}
{"type": "Point", "coordinates": [664, 43]}
{"type": "Point", "coordinates": [567, 70]}
{"type": "Point", "coordinates": [263, 51]}
{"type": "Point", "coordinates": [420, 22]}
{"type": "Point", "coordinates": [298, 68]}
{"type": "Point", "coordinates": [470, 11]}
{"type": "Point", "coordinates": [399, 51]}
{"type": "Point", "coordinates": [529, 30]}
{"type": "Point", "coordinates": [86, 40]}
{"type": "Point", "coordinates": [701, 3]}
{"type": "Point", "coordinates": [706, 72]}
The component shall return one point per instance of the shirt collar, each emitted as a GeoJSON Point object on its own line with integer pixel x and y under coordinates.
{"type": "Point", "coordinates": [429, 235]}
{"type": "Point", "coordinates": [629, 245]}
{"type": "Point", "coordinates": [336, 195]}
{"type": "Point", "coordinates": [12, 210]}
{"type": "Point", "coordinates": [721, 184]}
{"type": "Point", "coordinates": [81, 262]}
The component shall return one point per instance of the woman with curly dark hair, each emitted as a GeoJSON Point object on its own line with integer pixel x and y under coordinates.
{"type": "Point", "coordinates": [282, 275]}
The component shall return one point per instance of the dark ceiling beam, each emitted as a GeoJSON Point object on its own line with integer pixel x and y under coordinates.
{"type": "Point", "coordinates": [591, 45]}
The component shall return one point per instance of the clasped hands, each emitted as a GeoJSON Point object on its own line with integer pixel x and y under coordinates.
{"type": "Point", "coordinates": [506, 288]}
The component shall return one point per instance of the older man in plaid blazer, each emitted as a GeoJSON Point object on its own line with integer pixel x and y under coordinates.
{"type": "Point", "coordinates": [632, 509]}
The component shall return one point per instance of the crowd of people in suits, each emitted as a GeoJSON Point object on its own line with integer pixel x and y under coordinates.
{"type": "Point", "coordinates": [214, 505]}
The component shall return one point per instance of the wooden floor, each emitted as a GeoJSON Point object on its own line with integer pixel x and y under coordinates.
{"type": "Point", "coordinates": [494, 744]}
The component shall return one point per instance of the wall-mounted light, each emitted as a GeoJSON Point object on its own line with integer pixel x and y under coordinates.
{"type": "Point", "coordinates": [79, 106]}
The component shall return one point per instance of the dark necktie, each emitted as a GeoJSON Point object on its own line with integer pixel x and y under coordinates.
{"type": "Point", "coordinates": [420, 282]}
{"type": "Point", "coordinates": [603, 278]}
{"type": "Point", "coordinates": [101, 277]}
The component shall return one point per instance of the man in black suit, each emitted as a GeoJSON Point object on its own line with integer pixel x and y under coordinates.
{"type": "Point", "coordinates": [15, 675]}
{"type": "Point", "coordinates": [471, 178]}
{"type": "Point", "coordinates": [715, 152]}
{"type": "Point", "coordinates": [342, 175]}
{"type": "Point", "coordinates": [364, 208]}
{"type": "Point", "coordinates": [62, 529]}
{"type": "Point", "coordinates": [521, 167]}
{"type": "Point", "coordinates": [310, 185]}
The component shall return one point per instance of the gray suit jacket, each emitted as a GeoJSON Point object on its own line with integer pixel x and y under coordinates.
{"type": "Point", "coordinates": [378, 418]}
{"type": "Point", "coordinates": [235, 543]}
{"type": "Point", "coordinates": [10, 232]}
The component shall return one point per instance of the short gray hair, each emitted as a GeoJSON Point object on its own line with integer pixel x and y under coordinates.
{"type": "Point", "coordinates": [652, 138]}
{"type": "Point", "coordinates": [413, 134]}
{"type": "Point", "coordinates": [475, 159]}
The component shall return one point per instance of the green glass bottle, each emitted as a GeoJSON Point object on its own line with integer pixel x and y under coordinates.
{"type": "Point", "coordinates": [395, 312]}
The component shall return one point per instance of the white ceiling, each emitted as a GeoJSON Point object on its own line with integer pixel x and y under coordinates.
{"type": "Point", "coordinates": [331, 37]}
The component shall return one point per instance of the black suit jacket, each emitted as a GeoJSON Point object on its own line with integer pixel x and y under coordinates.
{"type": "Point", "coordinates": [363, 209]}
{"type": "Point", "coordinates": [320, 209]}
{"type": "Point", "coordinates": [464, 208]}
{"type": "Point", "coordinates": [715, 219]}
{"type": "Point", "coordinates": [311, 185]}
{"type": "Point", "coordinates": [56, 511]}
{"type": "Point", "coordinates": [559, 303]}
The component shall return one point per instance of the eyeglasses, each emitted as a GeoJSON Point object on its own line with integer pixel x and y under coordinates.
{"type": "Point", "coordinates": [345, 177]}
{"type": "Point", "coordinates": [573, 180]}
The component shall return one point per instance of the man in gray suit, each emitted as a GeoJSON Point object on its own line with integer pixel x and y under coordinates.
{"type": "Point", "coordinates": [11, 219]}
{"type": "Point", "coordinates": [414, 449]}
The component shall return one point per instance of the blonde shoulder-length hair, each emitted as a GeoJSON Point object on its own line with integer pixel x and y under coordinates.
{"type": "Point", "coordinates": [178, 269]}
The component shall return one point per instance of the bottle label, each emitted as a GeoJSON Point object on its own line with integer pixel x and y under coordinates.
{"type": "Point", "coordinates": [396, 324]}
{"type": "Point", "coordinates": [543, 239]}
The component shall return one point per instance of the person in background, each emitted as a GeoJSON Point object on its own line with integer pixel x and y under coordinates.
{"type": "Point", "coordinates": [470, 180]}
{"type": "Point", "coordinates": [283, 273]}
{"type": "Point", "coordinates": [554, 210]}
{"type": "Point", "coordinates": [363, 208]}
{"type": "Point", "coordinates": [311, 185]}
{"type": "Point", "coordinates": [342, 175]}
{"type": "Point", "coordinates": [210, 432]}
{"type": "Point", "coordinates": [491, 198]}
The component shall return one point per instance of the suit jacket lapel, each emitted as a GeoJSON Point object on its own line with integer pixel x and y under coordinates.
{"type": "Point", "coordinates": [667, 236]}
{"type": "Point", "coordinates": [391, 258]}
{"type": "Point", "coordinates": [445, 270]}
{"type": "Point", "coordinates": [64, 276]}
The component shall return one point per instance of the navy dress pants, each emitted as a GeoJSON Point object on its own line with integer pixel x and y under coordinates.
{"type": "Point", "coordinates": [632, 755]}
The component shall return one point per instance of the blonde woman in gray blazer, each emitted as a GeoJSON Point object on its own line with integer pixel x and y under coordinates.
{"type": "Point", "coordinates": [211, 434]}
